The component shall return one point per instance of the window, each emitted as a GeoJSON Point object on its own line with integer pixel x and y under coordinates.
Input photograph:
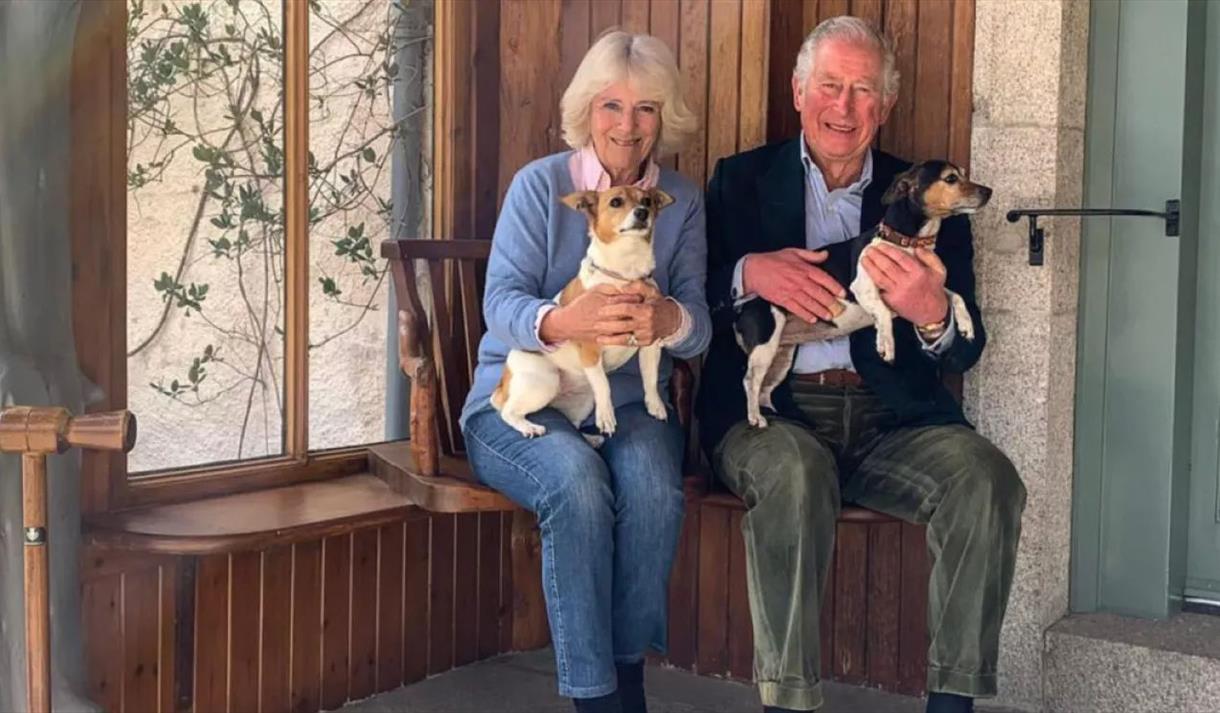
{"type": "Point", "coordinates": [255, 337]}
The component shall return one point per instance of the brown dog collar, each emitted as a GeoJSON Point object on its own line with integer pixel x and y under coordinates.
{"type": "Point", "coordinates": [890, 235]}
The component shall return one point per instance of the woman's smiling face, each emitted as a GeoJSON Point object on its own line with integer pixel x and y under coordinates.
{"type": "Point", "coordinates": [624, 127]}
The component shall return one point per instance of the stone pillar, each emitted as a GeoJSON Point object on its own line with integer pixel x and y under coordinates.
{"type": "Point", "coordinates": [1030, 64]}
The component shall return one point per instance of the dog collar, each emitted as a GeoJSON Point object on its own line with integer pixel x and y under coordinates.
{"type": "Point", "coordinates": [617, 275]}
{"type": "Point", "coordinates": [890, 235]}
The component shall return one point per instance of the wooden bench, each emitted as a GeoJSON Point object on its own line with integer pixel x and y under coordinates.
{"type": "Point", "coordinates": [874, 616]}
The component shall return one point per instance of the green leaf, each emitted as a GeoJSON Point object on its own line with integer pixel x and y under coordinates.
{"type": "Point", "coordinates": [369, 154]}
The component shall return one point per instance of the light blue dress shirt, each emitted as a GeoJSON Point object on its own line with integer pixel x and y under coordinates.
{"type": "Point", "coordinates": [832, 217]}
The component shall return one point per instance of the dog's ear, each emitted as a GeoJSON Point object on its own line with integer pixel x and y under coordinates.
{"type": "Point", "coordinates": [901, 187]}
{"type": "Point", "coordinates": [583, 201]}
{"type": "Point", "coordinates": [662, 198]}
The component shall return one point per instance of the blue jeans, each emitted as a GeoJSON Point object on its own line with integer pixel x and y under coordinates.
{"type": "Point", "coordinates": [609, 520]}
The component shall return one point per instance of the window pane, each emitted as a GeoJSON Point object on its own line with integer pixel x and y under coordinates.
{"type": "Point", "coordinates": [205, 231]}
{"type": "Point", "coordinates": [368, 63]}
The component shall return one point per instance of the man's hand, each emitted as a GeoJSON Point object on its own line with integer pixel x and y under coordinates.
{"type": "Point", "coordinates": [791, 279]}
{"type": "Point", "coordinates": [913, 286]}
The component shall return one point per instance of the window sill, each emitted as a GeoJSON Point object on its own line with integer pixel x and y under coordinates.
{"type": "Point", "coordinates": [251, 520]}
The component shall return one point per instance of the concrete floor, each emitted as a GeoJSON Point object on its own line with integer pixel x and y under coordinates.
{"type": "Point", "coordinates": [525, 683]}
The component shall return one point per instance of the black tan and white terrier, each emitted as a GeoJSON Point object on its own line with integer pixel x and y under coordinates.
{"type": "Point", "coordinates": [573, 378]}
{"type": "Point", "coordinates": [917, 201]}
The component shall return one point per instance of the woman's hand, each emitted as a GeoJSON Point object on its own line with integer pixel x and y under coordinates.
{"type": "Point", "coordinates": [583, 318]}
{"type": "Point", "coordinates": [649, 320]}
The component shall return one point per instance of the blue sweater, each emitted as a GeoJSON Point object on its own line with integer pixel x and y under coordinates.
{"type": "Point", "coordinates": [536, 250]}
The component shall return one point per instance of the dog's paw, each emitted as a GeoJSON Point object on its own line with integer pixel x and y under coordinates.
{"type": "Point", "coordinates": [885, 347]}
{"type": "Point", "coordinates": [606, 422]}
{"type": "Point", "coordinates": [966, 329]}
{"type": "Point", "coordinates": [594, 440]}
{"type": "Point", "coordinates": [656, 407]}
{"type": "Point", "coordinates": [757, 420]}
{"type": "Point", "coordinates": [531, 430]}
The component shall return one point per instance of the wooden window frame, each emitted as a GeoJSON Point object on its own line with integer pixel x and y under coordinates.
{"type": "Point", "coordinates": [99, 248]}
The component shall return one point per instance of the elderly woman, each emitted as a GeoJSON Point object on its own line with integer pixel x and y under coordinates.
{"type": "Point", "coordinates": [610, 516]}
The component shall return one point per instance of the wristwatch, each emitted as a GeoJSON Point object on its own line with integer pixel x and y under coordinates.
{"type": "Point", "coordinates": [933, 330]}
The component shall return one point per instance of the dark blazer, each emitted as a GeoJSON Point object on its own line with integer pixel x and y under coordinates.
{"type": "Point", "coordinates": [756, 203]}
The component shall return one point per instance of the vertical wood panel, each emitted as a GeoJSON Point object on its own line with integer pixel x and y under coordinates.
{"type": "Point", "coordinates": [390, 607]}
{"type": "Point", "coordinates": [486, 118]}
{"type": "Point", "coordinates": [605, 14]}
{"type": "Point", "coordinates": [832, 8]}
{"type": "Point", "coordinates": [787, 31]}
{"type": "Point", "coordinates": [506, 582]}
{"type": "Point", "coordinates": [141, 642]}
{"type": "Point", "coordinates": [692, 58]}
{"type": "Point", "coordinates": [307, 627]}
{"type": "Point", "coordinates": [364, 604]}
{"type": "Point", "coordinates": [826, 627]}
{"type": "Point", "coordinates": [440, 630]}
{"type": "Point", "coordinates": [755, 21]}
{"type": "Point", "coordinates": [276, 652]}
{"type": "Point", "coordinates": [245, 597]}
{"type": "Point", "coordinates": [913, 614]}
{"type": "Point", "coordinates": [416, 562]}
{"type": "Point", "coordinates": [683, 588]}
{"type": "Point", "coordinates": [636, 14]}
{"type": "Point", "coordinates": [932, 81]}
{"type": "Point", "coordinates": [489, 592]}
{"type": "Point", "coordinates": [574, 40]}
{"type": "Point", "coordinates": [103, 627]}
{"type": "Point", "coordinates": [884, 602]}
{"type": "Point", "coordinates": [212, 634]}
{"type": "Point", "coordinates": [97, 214]}
{"type": "Point", "coordinates": [527, 95]}
{"type": "Point", "coordinates": [663, 24]}
{"type": "Point", "coordinates": [741, 630]}
{"type": "Point", "coordinates": [724, 67]}
{"type": "Point", "coordinates": [466, 589]}
{"type": "Point", "coordinates": [897, 136]}
{"type": "Point", "coordinates": [336, 612]}
{"type": "Point", "coordinates": [167, 615]}
{"type": "Point", "coordinates": [961, 91]}
{"type": "Point", "coordinates": [530, 630]}
{"type": "Point", "coordinates": [713, 614]}
{"type": "Point", "coordinates": [851, 602]}
{"type": "Point", "coordinates": [870, 10]}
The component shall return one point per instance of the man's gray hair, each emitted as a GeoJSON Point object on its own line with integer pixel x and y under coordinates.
{"type": "Point", "coordinates": [852, 29]}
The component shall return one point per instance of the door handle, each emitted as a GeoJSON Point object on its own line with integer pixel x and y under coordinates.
{"type": "Point", "coordinates": [1171, 215]}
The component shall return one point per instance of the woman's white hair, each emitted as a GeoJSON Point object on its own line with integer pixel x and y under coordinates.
{"type": "Point", "coordinates": [851, 29]}
{"type": "Point", "coordinates": [649, 65]}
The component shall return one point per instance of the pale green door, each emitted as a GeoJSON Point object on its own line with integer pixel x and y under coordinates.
{"type": "Point", "coordinates": [1135, 546]}
{"type": "Point", "coordinates": [1203, 561]}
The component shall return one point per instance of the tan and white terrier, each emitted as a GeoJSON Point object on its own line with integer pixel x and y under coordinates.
{"type": "Point", "coordinates": [573, 378]}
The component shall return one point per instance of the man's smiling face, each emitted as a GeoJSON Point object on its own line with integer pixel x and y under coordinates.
{"type": "Point", "coordinates": [843, 104]}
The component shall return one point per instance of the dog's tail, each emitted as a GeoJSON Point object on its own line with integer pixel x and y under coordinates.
{"type": "Point", "coordinates": [500, 395]}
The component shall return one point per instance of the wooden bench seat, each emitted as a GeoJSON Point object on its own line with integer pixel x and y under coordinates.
{"type": "Point", "coordinates": [438, 285]}
{"type": "Point", "coordinates": [245, 522]}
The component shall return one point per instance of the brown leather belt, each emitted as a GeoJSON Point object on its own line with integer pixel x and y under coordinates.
{"type": "Point", "coordinates": [831, 377]}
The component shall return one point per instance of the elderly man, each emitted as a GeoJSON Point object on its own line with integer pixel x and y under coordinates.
{"type": "Point", "coordinates": [848, 426]}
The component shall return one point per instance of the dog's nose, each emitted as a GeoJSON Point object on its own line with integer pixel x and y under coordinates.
{"type": "Point", "coordinates": [640, 213]}
{"type": "Point", "coordinates": [984, 193]}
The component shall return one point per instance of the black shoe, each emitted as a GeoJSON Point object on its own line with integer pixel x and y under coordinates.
{"type": "Point", "coordinates": [631, 687]}
{"type": "Point", "coordinates": [939, 702]}
{"type": "Point", "coordinates": [608, 703]}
